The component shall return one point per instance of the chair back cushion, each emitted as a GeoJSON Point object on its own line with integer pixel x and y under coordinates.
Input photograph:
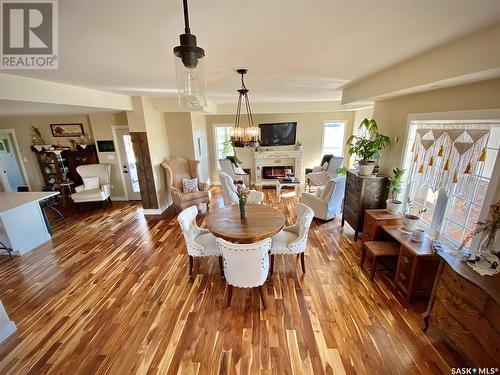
{"type": "Point", "coordinates": [190, 230]}
{"type": "Point", "coordinates": [228, 188]}
{"type": "Point", "coordinates": [245, 265]}
{"type": "Point", "coordinates": [90, 183]}
{"type": "Point", "coordinates": [179, 169]}
{"type": "Point", "coordinates": [102, 171]}
{"type": "Point", "coordinates": [337, 196]}
{"type": "Point", "coordinates": [334, 164]}
{"type": "Point", "coordinates": [305, 216]}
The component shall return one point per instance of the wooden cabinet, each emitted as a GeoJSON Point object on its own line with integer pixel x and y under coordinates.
{"type": "Point", "coordinates": [374, 219]}
{"type": "Point", "coordinates": [59, 165]}
{"type": "Point", "coordinates": [362, 193]}
{"type": "Point", "coordinates": [464, 313]}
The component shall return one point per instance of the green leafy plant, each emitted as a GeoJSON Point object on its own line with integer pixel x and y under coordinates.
{"type": "Point", "coordinates": [342, 171]}
{"type": "Point", "coordinates": [298, 144]}
{"type": "Point", "coordinates": [369, 143]}
{"type": "Point", "coordinates": [395, 182]}
{"type": "Point", "coordinates": [241, 191]}
{"type": "Point", "coordinates": [36, 135]}
{"type": "Point", "coordinates": [409, 206]}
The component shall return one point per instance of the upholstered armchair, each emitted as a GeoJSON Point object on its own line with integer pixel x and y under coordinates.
{"type": "Point", "coordinates": [178, 169]}
{"type": "Point", "coordinates": [229, 192]}
{"type": "Point", "coordinates": [293, 239]}
{"type": "Point", "coordinates": [233, 169]}
{"type": "Point", "coordinates": [96, 183]}
{"type": "Point", "coordinates": [326, 202]}
{"type": "Point", "coordinates": [324, 172]}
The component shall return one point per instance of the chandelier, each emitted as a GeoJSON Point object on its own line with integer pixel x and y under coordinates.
{"type": "Point", "coordinates": [189, 67]}
{"type": "Point", "coordinates": [249, 136]}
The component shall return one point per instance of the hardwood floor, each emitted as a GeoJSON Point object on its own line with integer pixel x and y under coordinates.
{"type": "Point", "coordinates": [111, 294]}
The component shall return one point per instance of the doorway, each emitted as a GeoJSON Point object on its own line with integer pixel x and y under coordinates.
{"type": "Point", "coordinates": [12, 172]}
{"type": "Point", "coordinates": [126, 158]}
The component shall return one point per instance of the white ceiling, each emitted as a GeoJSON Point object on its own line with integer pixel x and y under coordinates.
{"type": "Point", "coordinates": [294, 50]}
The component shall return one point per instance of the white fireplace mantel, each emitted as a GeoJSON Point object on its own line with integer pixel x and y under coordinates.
{"type": "Point", "coordinates": [276, 158]}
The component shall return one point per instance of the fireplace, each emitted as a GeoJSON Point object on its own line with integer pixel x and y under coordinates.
{"type": "Point", "coordinates": [270, 172]}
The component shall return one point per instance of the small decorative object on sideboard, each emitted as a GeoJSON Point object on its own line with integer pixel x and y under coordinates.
{"type": "Point", "coordinates": [36, 136]}
{"type": "Point", "coordinates": [418, 235]}
{"type": "Point", "coordinates": [367, 146]}
{"type": "Point", "coordinates": [393, 204]}
{"type": "Point", "coordinates": [488, 228]}
{"type": "Point", "coordinates": [298, 145]}
{"type": "Point", "coordinates": [242, 194]}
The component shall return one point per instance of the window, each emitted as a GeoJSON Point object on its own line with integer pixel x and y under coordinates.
{"type": "Point", "coordinates": [455, 215]}
{"type": "Point", "coordinates": [333, 138]}
{"type": "Point", "coordinates": [223, 147]}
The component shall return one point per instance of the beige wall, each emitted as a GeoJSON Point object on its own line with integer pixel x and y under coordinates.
{"type": "Point", "coordinates": [392, 115]}
{"type": "Point", "coordinates": [199, 129]}
{"type": "Point", "coordinates": [309, 132]}
{"type": "Point", "coordinates": [101, 124]}
{"type": "Point", "coordinates": [180, 134]}
{"type": "Point", "coordinates": [21, 126]}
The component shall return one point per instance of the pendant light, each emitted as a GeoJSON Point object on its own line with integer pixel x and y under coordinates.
{"type": "Point", "coordinates": [249, 136]}
{"type": "Point", "coordinates": [189, 67]}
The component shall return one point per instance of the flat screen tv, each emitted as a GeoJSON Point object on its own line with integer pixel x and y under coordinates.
{"type": "Point", "coordinates": [278, 134]}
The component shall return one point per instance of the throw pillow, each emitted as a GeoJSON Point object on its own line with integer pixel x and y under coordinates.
{"type": "Point", "coordinates": [189, 186]}
{"type": "Point", "coordinates": [90, 183]}
{"type": "Point", "coordinates": [238, 170]}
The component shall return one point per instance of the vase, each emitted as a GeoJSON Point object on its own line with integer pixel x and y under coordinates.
{"type": "Point", "coordinates": [243, 210]}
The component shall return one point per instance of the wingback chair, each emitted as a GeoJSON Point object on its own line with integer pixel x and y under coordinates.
{"type": "Point", "coordinates": [326, 202]}
{"type": "Point", "coordinates": [229, 192]}
{"type": "Point", "coordinates": [93, 191]}
{"type": "Point", "coordinates": [324, 172]}
{"type": "Point", "coordinates": [177, 169]}
{"type": "Point", "coordinates": [232, 168]}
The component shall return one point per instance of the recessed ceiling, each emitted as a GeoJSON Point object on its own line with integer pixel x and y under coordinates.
{"type": "Point", "coordinates": [294, 50]}
{"type": "Point", "coordinates": [16, 108]}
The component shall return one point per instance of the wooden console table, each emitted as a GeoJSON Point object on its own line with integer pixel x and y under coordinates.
{"type": "Point", "coordinates": [417, 263]}
{"type": "Point", "coordinates": [464, 312]}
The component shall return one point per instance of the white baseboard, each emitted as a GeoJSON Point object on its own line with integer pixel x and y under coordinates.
{"type": "Point", "coordinates": [119, 199]}
{"type": "Point", "coordinates": [153, 211]}
{"type": "Point", "coordinates": [7, 330]}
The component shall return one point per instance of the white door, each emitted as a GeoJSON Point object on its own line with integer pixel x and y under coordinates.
{"type": "Point", "coordinates": [128, 167]}
{"type": "Point", "coordinates": [11, 173]}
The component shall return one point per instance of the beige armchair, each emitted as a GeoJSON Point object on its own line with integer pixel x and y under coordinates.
{"type": "Point", "coordinates": [177, 169]}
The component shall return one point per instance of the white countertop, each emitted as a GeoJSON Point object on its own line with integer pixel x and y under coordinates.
{"type": "Point", "coordinates": [8, 201]}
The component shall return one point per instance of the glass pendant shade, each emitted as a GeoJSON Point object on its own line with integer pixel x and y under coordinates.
{"type": "Point", "coordinates": [191, 87]}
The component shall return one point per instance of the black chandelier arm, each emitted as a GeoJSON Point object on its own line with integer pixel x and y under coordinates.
{"type": "Point", "coordinates": [238, 112]}
{"type": "Point", "coordinates": [249, 111]}
{"type": "Point", "coordinates": [187, 30]}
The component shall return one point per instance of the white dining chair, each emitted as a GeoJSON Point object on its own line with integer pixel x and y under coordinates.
{"type": "Point", "coordinates": [293, 239]}
{"type": "Point", "coordinates": [245, 265]}
{"type": "Point", "coordinates": [229, 192]}
{"type": "Point", "coordinates": [199, 242]}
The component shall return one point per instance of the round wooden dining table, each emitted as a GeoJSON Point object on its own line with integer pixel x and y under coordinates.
{"type": "Point", "coordinates": [261, 222]}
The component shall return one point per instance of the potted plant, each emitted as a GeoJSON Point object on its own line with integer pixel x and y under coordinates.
{"type": "Point", "coordinates": [393, 204]}
{"type": "Point", "coordinates": [410, 221]}
{"type": "Point", "coordinates": [367, 146]}
{"type": "Point", "coordinates": [342, 171]}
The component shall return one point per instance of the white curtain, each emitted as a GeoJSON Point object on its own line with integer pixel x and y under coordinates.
{"type": "Point", "coordinates": [448, 156]}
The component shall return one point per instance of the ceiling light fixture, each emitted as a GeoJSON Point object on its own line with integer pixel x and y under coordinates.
{"type": "Point", "coordinates": [249, 136]}
{"type": "Point", "coordinates": [189, 67]}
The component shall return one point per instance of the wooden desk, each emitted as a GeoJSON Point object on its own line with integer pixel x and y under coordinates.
{"type": "Point", "coordinates": [464, 313]}
{"type": "Point", "coordinates": [417, 263]}
{"type": "Point", "coordinates": [374, 219]}
{"type": "Point", "coordinates": [261, 222]}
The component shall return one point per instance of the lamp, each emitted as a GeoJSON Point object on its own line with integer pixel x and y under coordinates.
{"type": "Point", "coordinates": [249, 136]}
{"type": "Point", "coordinates": [189, 67]}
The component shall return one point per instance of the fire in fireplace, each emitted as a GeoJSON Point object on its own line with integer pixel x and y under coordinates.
{"type": "Point", "coordinates": [277, 172]}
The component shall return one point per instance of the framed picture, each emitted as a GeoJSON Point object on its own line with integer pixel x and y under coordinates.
{"type": "Point", "coordinates": [67, 130]}
{"type": "Point", "coordinates": [106, 146]}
